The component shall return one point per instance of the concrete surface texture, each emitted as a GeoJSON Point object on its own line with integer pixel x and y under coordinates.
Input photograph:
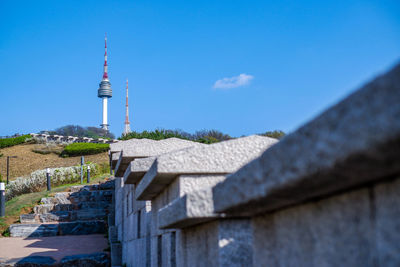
{"type": "Point", "coordinates": [219, 158]}
{"type": "Point", "coordinates": [118, 146]}
{"type": "Point", "coordinates": [137, 169]}
{"type": "Point", "coordinates": [353, 143]}
{"type": "Point", "coordinates": [148, 149]}
{"type": "Point", "coordinates": [194, 206]}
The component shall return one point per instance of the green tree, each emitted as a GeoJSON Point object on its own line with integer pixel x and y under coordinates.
{"type": "Point", "coordinates": [278, 134]}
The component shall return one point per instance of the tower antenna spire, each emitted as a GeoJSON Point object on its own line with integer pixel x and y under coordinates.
{"type": "Point", "coordinates": [105, 70]}
{"type": "Point", "coordinates": [127, 128]}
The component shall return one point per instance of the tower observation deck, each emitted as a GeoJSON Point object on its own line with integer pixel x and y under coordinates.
{"type": "Point", "coordinates": [104, 92]}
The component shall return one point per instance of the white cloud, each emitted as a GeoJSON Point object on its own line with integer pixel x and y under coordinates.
{"type": "Point", "coordinates": [233, 82]}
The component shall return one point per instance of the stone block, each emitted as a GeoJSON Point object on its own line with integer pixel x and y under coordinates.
{"type": "Point", "coordinates": [137, 169]}
{"type": "Point", "coordinates": [149, 149]}
{"type": "Point", "coordinates": [82, 227]}
{"type": "Point", "coordinates": [219, 158]}
{"type": "Point", "coordinates": [112, 234]}
{"type": "Point", "coordinates": [28, 218]}
{"type": "Point", "coordinates": [120, 232]}
{"type": "Point", "coordinates": [131, 226]}
{"type": "Point", "coordinates": [120, 145]}
{"type": "Point", "coordinates": [338, 231]}
{"type": "Point", "coordinates": [235, 243]}
{"type": "Point", "coordinates": [99, 259]}
{"type": "Point", "coordinates": [60, 216]}
{"type": "Point", "coordinates": [116, 254]}
{"type": "Point", "coordinates": [33, 230]}
{"type": "Point", "coordinates": [201, 245]}
{"type": "Point", "coordinates": [193, 208]}
{"type": "Point", "coordinates": [33, 261]}
{"type": "Point", "coordinates": [45, 208]}
{"type": "Point", "coordinates": [155, 250]}
{"type": "Point", "coordinates": [351, 144]}
{"type": "Point", "coordinates": [387, 205]}
{"type": "Point", "coordinates": [91, 214]}
{"type": "Point", "coordinates": [111, 219]}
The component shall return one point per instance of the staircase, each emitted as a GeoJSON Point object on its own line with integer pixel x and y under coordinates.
{"type": "Point", "coordinates": [83, 211]}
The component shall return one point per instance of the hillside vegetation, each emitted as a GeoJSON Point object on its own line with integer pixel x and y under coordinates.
{"type": "Point", "coordinates": [28, 161]}
{"type": "Point", "coordinates": [204, 136]}
{"type": "Point", "coordinates": [7, 142]}
{"type": "Point", "coordinates": [80, 131]}
{"type": "Point", "coordinates": [81, 149]}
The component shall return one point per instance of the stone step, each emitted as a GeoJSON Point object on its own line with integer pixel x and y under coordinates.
{"type": "Point", "coordinates": [54, 229]}
{"type": "Point", "coordinates": [109, 185]}
{"type": "Point", "coordinates": [28, 218]}
{"type": "Point", "coordinates": [64, 216]}
{"type": "Point", "coordinates": [100, 259]}
{"type": "Point", "coordinates": [48, 208]}
{"type": "Point", "coordinates": [91, 214]}
{"type": "Point", "coordinates": [60, 216]}
{"type": "Point", "coordinates": [59, 198]}
{"type": "Point", "coordinates": [33, 230]}
{"type": "Point", "coordinates": [95, 205]}
{"type": "Point", "coordinates": [91, 196]}
{"type": "Point", "coordinates": [82, 227]}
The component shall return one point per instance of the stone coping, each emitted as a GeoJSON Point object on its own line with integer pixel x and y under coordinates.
{"type": "Point", "coordinates": [114, 159]}
{"type": "Point", "coordinates": [219, 158]}
{"type": "Point", "coordinates": [353, 143]}
{"type": "Point", "coordinates": [191, 209]}
{"type": "Point", "coordinates": [149, 149]}
{"type": "Point", "coordinates": [118, 146]}
{"type": "Point", "coordinates": [137, 169]}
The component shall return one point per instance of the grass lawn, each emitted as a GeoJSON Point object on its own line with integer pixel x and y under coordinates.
{"type": "Point", "coordinates": [25, 203]}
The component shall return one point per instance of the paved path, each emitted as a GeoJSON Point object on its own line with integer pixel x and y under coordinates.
{"type": "Point", "coordinates": [14, 248]}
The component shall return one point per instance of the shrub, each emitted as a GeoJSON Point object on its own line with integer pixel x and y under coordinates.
{"type": "Point", "coordinates": [76, 130]}
{"type": "Point", "coordinates": [7, 142]}
{"type": "Point", "coordinates": [37, 180]}
{"type": "Point", "coordinates": [80, 149]}
{"type": "Point", "coordinates": [48, 148]}
{"type": "Point", "coordinates": [204, 136]}
{"type": "Point", "coordinates": [278, 134]}
{"type": "Point", "coordinates": [158, 134]}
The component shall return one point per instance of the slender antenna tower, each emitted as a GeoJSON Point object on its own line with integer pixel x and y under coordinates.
{"type": "Point", "coordinates": [127, 128]}
{"type": "Point", "coordinates": [105, 90]}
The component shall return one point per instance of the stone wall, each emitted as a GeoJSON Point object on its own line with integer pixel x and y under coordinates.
{"type": "Point", "coordinates": [328, 194]}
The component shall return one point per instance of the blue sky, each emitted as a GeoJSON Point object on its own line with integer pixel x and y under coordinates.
{"type": "Point", "coordinates": [241, 67]}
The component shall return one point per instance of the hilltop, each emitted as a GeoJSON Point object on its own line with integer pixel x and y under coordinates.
{"type": "Point", "coordinates": [28, 161]}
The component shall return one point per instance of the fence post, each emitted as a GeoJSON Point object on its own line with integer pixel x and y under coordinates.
{"type": "Point", "coordinates": [48, 179]}
{"type": "Point", "coordinates": [110, 159]}
{"type": "Point", "coordinates": [88, 174]}
{"type": "Point", "coordinates": [8, 167]}
{"type": "Point", "coordinates": [2, 200]}
{"type": "Point", "coordinates": [82, 162]}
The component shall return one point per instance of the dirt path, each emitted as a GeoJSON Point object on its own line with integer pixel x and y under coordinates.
{"type": "Point", "coordinates": [29, 161]}
{"type": "Point", "coordinates": [13, 249]}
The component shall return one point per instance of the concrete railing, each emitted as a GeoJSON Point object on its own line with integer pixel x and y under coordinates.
{"type": "Point", "coordinates": [325, 195]}
{"type": "Point", "coordinates": [69, 139]}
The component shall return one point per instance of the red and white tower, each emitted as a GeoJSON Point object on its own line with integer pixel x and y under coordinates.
{"type": "Point", "coordinates": [127, 128]}
{"type": "Point", "coordinates": [105, 92]}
